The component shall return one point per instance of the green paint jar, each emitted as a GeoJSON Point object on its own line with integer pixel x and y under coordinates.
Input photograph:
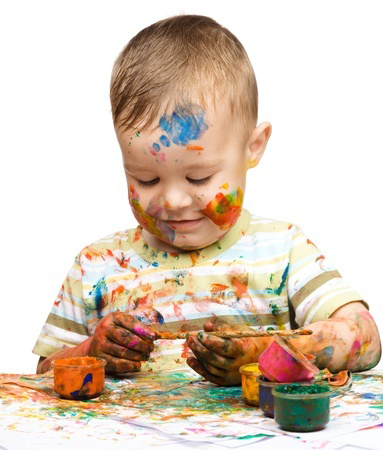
{"type": "Point", "coordinates": [301, 408]}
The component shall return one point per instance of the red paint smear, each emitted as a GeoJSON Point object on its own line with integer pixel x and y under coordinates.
{"type": "Point", "coordinates": [354, 354]}
{"type": "Point", "coordinates": [145, 302]}
{"type": "Point", "coordinates": [225, 209]}
{"type": "Point", "coordinates": [137, 235]}
{"type": "Point", "coordinates": [178, 311]}
{"type": "Point", "coordinates": [216, 287]}
{"type": "Point", "coordinates": [215, 262]}
{"type": "Point", "coordinates": [186, 351]}
{"type": "Point", "coordinates": [289, 228]}
{"type": "Point", "coordinates": [240, 288]}
{"type": "Point", "coordinates": [119, 290]}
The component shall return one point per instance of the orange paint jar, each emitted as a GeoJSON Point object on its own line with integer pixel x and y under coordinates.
{"type": "Point", "coordinates": [79, 378]}
{"type": "Point", "coordinates": [249, 377]}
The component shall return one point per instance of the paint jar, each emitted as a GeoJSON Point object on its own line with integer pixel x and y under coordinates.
{"type": "Point", "coordinates": [249, 376]}
{"type": "Point", "coordinates": [79, 378]}
{"type": "Point", "coordinates": [283, 363]}
{"type": "Point", "coordinates": [301, 408]}
{"type": "Point", "coordinates": [266, 399]}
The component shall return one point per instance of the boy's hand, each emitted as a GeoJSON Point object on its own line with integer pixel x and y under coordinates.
{"type": "Point", "coordinates": [218, 359]}
{"type": "Point", "coordinates": [123, 341]}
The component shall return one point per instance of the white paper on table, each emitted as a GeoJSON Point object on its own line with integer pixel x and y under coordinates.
{"type": "Point", "coordinates": [334, 428]}
{"type": "Point", "coordinates": [372, 439]}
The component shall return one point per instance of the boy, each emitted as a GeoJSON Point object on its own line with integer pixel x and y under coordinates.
{"type": "Point", "coordinates": [184, 103]}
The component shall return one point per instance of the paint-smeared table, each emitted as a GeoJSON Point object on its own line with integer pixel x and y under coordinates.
{"type": "Point", "coordinates": [178, 409]}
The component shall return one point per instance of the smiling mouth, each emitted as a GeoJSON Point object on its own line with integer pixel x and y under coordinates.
{"type": "Point", "coordinates": [183, 224]}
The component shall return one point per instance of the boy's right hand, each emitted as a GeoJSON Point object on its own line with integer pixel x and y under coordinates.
{"type": "Point", "coordinates": [123, 341]}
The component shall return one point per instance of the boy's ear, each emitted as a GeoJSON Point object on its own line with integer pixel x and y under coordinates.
{"type": "Point", "coordinates": [256, 144]}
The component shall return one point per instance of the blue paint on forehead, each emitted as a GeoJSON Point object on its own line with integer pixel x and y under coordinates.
{"type": "Point", "coordinates": [184, 125]}
{"type": "Point", "coordinates": [164, 141]}
{"type": "Point", "coordinates": [156, 147]}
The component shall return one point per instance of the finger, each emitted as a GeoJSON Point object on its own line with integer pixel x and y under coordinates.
{"type": "Point", "coordinates": [116, 365]}
{"type": "Point", "coordinates": [208, 356]}
{"type": "Point", "coordinates": [132, 324]}
{"type": "Point", "coordinates": [201, 370]}
{"type": "Point", "coordinates": [211, 326]}
{"type": "Point", "coordinates": [127, 339]}
{"type": "Point", "coordinates": [227, 348]}
{"type": "Point", "coordinates": [110, 348]}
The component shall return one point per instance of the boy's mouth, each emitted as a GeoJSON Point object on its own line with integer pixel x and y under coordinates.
{"type": "Point", "coordinates": [183, 224]}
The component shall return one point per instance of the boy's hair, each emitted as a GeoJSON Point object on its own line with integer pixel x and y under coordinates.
{"type": "Point", "coordinates": [180, 61]}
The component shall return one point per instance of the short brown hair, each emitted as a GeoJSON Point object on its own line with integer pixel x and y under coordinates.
{"type": "Point", "coordinates": [181, 60]}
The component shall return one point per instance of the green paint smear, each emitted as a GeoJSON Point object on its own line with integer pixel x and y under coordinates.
{"type": "Point", "coordinates": [259, 435]}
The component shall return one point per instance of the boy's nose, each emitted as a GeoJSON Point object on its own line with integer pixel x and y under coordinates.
{"type": "Point", "coordinates": [177, 198]}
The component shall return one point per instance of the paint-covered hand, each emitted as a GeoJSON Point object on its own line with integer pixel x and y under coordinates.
{"type": "Point", "coordinates": [217, 359]}
{"type": "Point", "coordinates": [123, 341]}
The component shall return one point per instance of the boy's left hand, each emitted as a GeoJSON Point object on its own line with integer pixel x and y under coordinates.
{"type": "Point", "coordinates": [217, 359]}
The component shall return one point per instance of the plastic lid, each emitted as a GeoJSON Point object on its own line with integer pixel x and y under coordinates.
{"type": "Point", "coordinates": [295, 353]}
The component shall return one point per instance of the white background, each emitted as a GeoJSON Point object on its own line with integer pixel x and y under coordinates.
{"type": "Point", "coordinates": [319, 71]}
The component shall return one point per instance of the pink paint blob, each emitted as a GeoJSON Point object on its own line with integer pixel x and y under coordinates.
{"type": "Point", "coordinates": [281, 362]}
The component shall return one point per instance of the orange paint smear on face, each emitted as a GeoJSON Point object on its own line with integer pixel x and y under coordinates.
{"type": "Point", "coordinates": [224, 210]}
{"type": "Point", "coordinates": [194, 147]}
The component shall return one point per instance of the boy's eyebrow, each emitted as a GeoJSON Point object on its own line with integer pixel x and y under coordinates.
{"type": "Point", "coordinates": [205, 165]}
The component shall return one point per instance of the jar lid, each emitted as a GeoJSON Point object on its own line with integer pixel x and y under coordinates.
{"type": "Point", "coordinates": [296, 354]}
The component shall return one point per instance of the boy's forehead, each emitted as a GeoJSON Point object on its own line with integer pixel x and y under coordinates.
{"type": "Point", "coordinates": [191, 127]}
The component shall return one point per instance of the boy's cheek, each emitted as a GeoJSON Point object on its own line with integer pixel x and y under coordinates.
{"type": "Point", "coordinates": [224, 209]}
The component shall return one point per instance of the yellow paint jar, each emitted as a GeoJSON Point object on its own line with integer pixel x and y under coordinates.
{"type": "Point", "coordinates": [250, 390]}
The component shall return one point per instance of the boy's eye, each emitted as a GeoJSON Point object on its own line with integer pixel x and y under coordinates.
{"type": "Point", "coordinates": [200, 182]}
{"type": "Point", "coordinates": [150, 183]}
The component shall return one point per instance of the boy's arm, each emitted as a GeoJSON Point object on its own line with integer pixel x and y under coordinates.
{"type": "Point", "coordinates": [122, 340]}
{"type": "Point", "coordinates": [45, 363]}
{"type": "Point", "coordinates": [349, 339]}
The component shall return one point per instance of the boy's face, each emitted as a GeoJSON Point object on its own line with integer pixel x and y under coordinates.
{"type": "Point", "coordinates": [186, 179]}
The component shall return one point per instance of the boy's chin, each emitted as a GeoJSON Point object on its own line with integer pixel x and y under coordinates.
{"type": "Point", "coordinates": [188, 245]}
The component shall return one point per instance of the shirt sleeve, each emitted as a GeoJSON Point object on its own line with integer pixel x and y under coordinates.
{"type": "Point", "coordinates": [66, 324]}
{"type": "Point", "coordinates": [315, 288]}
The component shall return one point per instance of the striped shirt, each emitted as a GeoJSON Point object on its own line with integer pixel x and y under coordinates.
{"type": "Point", "coordinates": [263, 273]}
